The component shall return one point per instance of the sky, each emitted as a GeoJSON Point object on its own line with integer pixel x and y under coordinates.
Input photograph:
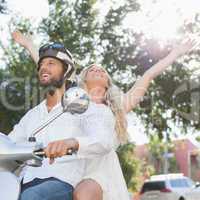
{"type": "Point", "coordinates": [32, 9]}
{"type": "Point", "coordinates": [160, 22]}
{"type": "Point", "coordinates": [157, 18]}
{"type": "Point", "coordinates": [161, 19]}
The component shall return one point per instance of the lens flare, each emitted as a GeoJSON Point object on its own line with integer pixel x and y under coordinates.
{"type": "Point", "coordinates": [162, 19]}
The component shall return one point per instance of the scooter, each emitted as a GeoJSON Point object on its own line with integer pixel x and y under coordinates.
{"type": "Point", "coordinates": [16, 155]}
{"type": "Point", "coordinates": [13, 156]}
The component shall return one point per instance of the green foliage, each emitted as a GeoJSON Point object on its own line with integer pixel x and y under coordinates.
{"type": "Point", "coordinates": [3, 6]}
{"type": "Point", "coordinates": [132, 167]}
{"type": "Point", "coordinates": [198, 138]}
{"type": "Point", "coordinates": [18, 81]}
{"type": "Point", "coordinates": [157, 148]}
{"type": "Point", "coordinates": [73, 23]}
{"type": "Point", "coordinates": [173, 166]}
{"type": "Point", "coordinates": [117, 47]}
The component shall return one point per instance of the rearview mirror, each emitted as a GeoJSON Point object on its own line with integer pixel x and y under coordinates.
{"type": "Point", "coordinates": [75, 100]}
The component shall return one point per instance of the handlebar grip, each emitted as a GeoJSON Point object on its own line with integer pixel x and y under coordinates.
{"type": "Point", "coordinates": [41, 152]}
{"type": "Point", "coordinates": [70, 152]}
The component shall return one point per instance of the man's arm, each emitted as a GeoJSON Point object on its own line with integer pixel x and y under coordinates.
{"type": "Point", "coordinates": [98, 138]}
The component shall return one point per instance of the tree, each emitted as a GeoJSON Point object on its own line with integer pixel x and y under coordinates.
{"type": "Point", "coordinates": [133, 168]}
{"type": "Point", "coordinates": [18, 84]}
{"type": "Point", "coordinates": [73, 23]}
{"type": "Point", "coordinates": [2, 6]}
{"type": "Point", "coordinates": [158, 150]}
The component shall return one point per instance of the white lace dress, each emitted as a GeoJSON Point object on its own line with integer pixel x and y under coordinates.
{"type": "Point", "coordinates": [106, 171]}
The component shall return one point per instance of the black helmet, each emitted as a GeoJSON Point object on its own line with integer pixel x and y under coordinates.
{"type": "Point", "coordinates": [58, 51]}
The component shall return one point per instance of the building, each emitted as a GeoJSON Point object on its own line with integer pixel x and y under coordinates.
{"type": "Point", "coordinates": [186, 154]}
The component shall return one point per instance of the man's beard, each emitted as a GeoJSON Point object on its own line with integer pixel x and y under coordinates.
{"type": "Point", "coordinates": [52, 85]}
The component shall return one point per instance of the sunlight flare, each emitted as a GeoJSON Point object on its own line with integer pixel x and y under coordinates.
{"type": "Point", "coordinates": [162, 19]}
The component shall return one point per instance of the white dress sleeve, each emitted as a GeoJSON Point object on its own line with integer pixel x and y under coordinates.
{"type": "Point", "coordinates": [98, 129]}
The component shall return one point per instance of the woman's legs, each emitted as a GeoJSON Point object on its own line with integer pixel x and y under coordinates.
{"type": "Point", "coordinates": [88, 189]}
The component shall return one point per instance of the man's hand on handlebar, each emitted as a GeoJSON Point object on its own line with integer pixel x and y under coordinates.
{"type": "Point", "coordinates": [60, 148]}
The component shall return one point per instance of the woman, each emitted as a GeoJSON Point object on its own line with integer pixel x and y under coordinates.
{"type": "Point", "coordinates": [96, 81]}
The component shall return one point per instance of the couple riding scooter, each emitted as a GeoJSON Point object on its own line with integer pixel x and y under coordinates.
{"type": "Point", "coordinates": [63, 122]}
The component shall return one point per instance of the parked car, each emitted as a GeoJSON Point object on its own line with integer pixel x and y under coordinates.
{"type": "Point", "coordinates": [131, 196]}
{"type": "Point", "coordinates": [168, 187]}
{"type": "Point", "coordinates": [194, 194]}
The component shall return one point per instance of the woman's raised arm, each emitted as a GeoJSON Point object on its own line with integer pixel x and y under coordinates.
{"type": "Point", "coordinates": [135, 94]}
{"type": "Point", "coordinates": [27, 42]}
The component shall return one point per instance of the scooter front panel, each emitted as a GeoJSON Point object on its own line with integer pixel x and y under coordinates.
{"type": "Point", "coordinates": [9, 186]}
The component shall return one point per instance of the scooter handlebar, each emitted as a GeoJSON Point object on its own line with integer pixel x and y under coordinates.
{"type": "Point", "coordinates": [41, 152]}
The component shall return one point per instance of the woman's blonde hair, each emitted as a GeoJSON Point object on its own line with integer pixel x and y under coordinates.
{"type": "Point", "coordinates": [113, 98]}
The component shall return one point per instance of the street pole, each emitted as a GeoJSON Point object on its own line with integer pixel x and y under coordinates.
{"type": "Point", "coordinates": [166, 155]}
{"type": "Point", "coordinates": [166, 160]}
{"type": "Point", "coordinates": [189, 163]}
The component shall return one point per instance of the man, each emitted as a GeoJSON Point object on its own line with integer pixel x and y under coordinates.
{"type": "Point", "coordinates": [56, 179]}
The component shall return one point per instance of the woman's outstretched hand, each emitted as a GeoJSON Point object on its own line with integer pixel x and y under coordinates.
{"type": "Point", "coordinates": [186, 46]}
{"type": "Point", "coordinates": [27, 42]}
{"type": "Point", "coordinates": [23, 40]}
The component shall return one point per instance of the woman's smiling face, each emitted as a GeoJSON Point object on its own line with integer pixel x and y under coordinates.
{"type": "Point", "coordinates": [97, 75]}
